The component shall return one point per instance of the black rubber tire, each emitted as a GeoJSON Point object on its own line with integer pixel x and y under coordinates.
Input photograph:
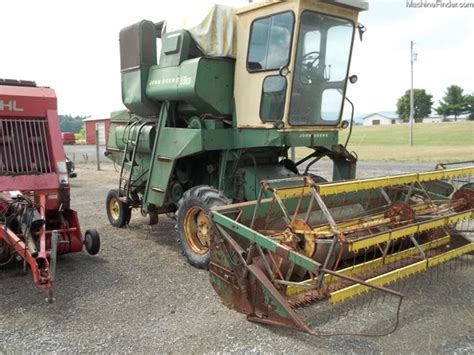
{"type": "Point", "coordinates": [317, 179]}
{"type": "Point", "coordinates": [120, 217]}
{"type": "Point", "coordinates": [203, 197]}
{"type": "Point", "coordinates": [92, 241]}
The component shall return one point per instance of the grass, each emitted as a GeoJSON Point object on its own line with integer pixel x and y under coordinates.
{"type": "Point", "coordinates": [433, 142]}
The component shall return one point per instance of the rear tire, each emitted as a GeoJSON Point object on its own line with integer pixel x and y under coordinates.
{"type": "Point", "coordinates": [118, 212]}
{"type": "Point", "coordinates": [193, 223]}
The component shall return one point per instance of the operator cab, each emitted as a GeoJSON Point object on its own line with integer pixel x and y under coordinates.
{"type": "Point", "coordinates": [292, 63]}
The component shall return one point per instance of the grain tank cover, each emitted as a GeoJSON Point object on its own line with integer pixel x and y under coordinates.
{"type": "Point", "coordinates": [204, 83]}
{"type": "Point", "coordinates": [215, 35]}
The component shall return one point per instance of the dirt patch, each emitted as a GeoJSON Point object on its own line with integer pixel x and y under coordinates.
{"type": "Point", "coordinates": [140, 295]}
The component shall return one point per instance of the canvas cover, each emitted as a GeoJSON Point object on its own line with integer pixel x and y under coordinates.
{"type": "Point", "coordinates": [215, 34]}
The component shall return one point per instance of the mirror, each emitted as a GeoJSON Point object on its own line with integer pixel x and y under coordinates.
{"type": "Point", "coordinates": [361, 28]}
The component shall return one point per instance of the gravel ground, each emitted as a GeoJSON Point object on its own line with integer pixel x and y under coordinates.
{"type": "Point", "coordinates": [140, 295]}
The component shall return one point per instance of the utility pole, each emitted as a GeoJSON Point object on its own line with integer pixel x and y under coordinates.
{"type": "Point", "coordinates": [412, 98]}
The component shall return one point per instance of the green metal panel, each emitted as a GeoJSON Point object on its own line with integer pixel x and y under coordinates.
{"type": "Point", "coordinates": [137, 55]}
{"type": "Point", "coordinates": [175, 48]}
{"type": "Point", "coordinates": [171, 144]}
{"type": "Point", "coordinates": [133, 93]}
{"type": "Point", "coordinates": [252, 138]}
{"type": "Point", "coordinates": [145, 142]}
{"type": "Point", "coordinates": [266, 172]}
{"type": "Point", "coordinates": [179, 142]}
{"type": "Point", "coordinates": [311, 138]}
{"type": "Point", "coordinates": [204, 83]}
{"type": "Point", "coordinates": [122, 115]}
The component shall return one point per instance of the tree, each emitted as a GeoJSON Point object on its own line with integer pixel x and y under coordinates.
{"type": "Point", "coordinates": [422, 105]}
{"type": "Point", "coordinates": [453, 102]}
{"type": "Point", "coordinates": [469, 99]}
{"type": "Point", "coordinates": [71, 124]}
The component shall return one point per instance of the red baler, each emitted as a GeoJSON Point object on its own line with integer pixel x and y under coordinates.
{"type": "Point", "coordinates": [36, 222]}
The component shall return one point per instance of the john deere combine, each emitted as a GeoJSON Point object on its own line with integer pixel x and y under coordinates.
{"type": "Point", "coordinates": [210, 122]}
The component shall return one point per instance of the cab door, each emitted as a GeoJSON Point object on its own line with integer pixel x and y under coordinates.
{"type": "Point", "coordinates": [262, 69]}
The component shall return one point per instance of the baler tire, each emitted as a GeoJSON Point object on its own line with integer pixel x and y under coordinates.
{"type": "Point", "coordinates": [194, 207]}
{"type": "Point", "coordinates": [6, 256]}
{"type": "Point", "coordinates": [92, 241]}
{"type": "Point", "coordinates": [118, 212]}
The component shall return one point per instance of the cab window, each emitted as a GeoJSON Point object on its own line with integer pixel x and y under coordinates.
{"type": "Point", "coordinates": [272, 101]}
{"type": "Point", "coordinates": [270, 42]}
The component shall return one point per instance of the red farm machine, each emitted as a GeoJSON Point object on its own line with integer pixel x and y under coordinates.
{"type": "Point", "coordinates": [36, 221]}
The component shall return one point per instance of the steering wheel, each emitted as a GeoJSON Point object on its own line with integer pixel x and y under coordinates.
{"type": "Point", "coordinates": [309, 62]}
{"type": "Point", "coordinates": [310, 58]}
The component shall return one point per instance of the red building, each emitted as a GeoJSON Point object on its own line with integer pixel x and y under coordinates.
{"type": "Point", "coordinates": [90, 126]}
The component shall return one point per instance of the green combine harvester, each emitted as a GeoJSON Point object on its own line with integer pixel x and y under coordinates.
{"type": "Point", "coordinates": [211, 120]}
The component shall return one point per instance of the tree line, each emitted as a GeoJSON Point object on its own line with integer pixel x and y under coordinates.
{"type": "Point", "coordinates": [72, 124]}
{"type": "Point", "coordinates": [454, 103]}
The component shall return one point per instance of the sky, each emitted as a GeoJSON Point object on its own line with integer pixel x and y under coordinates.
{"type": "Point", "coordinates": [72, 46]}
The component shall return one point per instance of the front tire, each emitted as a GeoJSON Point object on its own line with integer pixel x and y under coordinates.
{"type": "Point", "coordinates": [194, 230]}
{"type": "Point", "coordinates": [92, 241]}
{"type": "Point", "coordinates": [118, 212]}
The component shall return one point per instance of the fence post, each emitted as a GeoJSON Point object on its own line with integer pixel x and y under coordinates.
{"type": "Point", "coordinates": [97, 147]}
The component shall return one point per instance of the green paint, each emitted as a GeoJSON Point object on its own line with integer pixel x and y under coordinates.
{"type": "Point", "coordinates": [262, 240]}
{"type": "Point", "coordinates": [268, 299]}
{"type": "Point", "coordinates": [204, 83]}
{"type": "Point", "coordinates": [224, 290]}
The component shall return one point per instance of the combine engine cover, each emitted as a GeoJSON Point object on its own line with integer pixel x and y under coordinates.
{"type": "Point", "coordinates": [36, 223]}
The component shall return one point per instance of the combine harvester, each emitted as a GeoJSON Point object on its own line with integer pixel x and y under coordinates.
{"type": "Point", "coordinates": [212, 120]}
{"type": "Point", "coordinates": [36, 222]}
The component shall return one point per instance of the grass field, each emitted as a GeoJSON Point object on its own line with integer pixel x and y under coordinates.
{"type": "Point", "coordinates": [433, 142]}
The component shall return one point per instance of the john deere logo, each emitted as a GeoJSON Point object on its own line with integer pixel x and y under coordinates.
{"type": "Point", "coordinates": [9, 106]}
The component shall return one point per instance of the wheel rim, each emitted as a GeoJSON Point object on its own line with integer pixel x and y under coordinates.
{"type": "Point", "coordinates": [88, 241]}
{"type": "Point", "coordinates": [196, 230]}
{"type": "Point", "coordinates": [114, 208]}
